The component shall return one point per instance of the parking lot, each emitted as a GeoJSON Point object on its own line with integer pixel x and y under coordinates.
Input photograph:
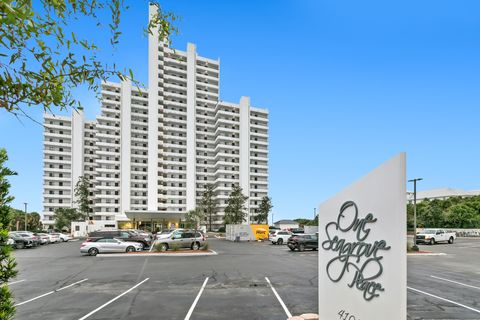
{"type": "Point", "coordinates": [56, 282]}
{"type": "Point", "coordinates": [445, 286]}
{"type": "Point", "coordinates": [244, 281]}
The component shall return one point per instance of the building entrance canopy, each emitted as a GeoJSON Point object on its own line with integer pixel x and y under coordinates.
{"type": "Point", "coordinates": [152, 220]}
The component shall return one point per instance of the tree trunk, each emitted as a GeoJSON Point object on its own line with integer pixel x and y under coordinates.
{"type": "Point", "coordinates": [210, 223]}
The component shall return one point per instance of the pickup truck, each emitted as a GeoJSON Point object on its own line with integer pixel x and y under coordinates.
{"type": "Point", "coordinates": [432, 236]}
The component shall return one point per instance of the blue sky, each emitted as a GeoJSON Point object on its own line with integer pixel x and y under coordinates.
{"type": "Point", "coordinates": [349, 84]}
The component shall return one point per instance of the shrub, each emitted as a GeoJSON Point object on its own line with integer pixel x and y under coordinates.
{"type": "Point", "coordinates": [221, 229]}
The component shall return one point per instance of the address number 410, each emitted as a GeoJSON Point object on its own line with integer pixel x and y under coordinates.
{"type": "Point", "coordinates": [346, 316]}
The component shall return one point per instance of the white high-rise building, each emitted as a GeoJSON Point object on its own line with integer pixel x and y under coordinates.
{"type": "Point", "coordinates": [150, 153]}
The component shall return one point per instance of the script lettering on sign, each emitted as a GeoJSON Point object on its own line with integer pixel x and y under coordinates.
{"type": "Point", "coordinates": [359, 261]}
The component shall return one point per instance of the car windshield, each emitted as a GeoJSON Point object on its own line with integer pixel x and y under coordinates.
{"type": "Point", "coordinates": [429, 231]}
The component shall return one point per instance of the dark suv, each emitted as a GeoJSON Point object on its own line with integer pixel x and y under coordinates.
{"type": "Point", "coordinates": [303, 241]}
{"type": "Point", "coordinates": [125, 235]}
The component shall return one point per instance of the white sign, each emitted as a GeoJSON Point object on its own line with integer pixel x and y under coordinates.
{"type": "Point", "coordinates": [362, 248]}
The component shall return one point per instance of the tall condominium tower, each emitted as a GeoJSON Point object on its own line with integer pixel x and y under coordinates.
{"type": "Point", "coordinates": [151, 152]}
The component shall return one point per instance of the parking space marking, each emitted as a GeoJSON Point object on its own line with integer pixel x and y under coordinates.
{"type": "Point", "coordinates": [13, 282]}
{"type": "Point", "coordinates": [189, 314]}
{"type": "Point", "coordinates": [49, 293]}
{"type": "Point", "coordinates": [443, 299]}
{"type": "Point", "coordinates": [456, 282]}
{"type": "Point", "coordinates": [289, 315]}
{"type": "Point", "coordinates": [112, 300]}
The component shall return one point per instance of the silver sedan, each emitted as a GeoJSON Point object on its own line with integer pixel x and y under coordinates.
{"type": "Point", "coordinates": [104, 245]}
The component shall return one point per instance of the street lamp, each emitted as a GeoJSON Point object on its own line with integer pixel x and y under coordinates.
{"type": "Point", "coordinates": [415, 247]}
{"type": "Point", "coordinates": [25, 203]}
{"type": "Point", "coordinates": [314, 213]}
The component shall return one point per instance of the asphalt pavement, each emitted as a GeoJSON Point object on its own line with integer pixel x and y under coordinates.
{"type": "Point", "coordinates": [445, 286]}
{"type": "Point", "coordinates": [244, 281]}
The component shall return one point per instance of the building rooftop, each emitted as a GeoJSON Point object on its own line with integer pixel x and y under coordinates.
{"type": "Point", "coordinates": [286, 222]}
{"type": "Point", "coordinates": [442, 193]}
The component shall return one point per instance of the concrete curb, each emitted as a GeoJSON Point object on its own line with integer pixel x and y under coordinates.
{"type": "Point", "coordinates": [426, 254]}
{"type": "Point", "coordinates": [145, 255]}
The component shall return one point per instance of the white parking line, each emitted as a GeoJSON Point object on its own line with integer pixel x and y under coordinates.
{"type": "Point", "coordinates": [13, 282]}
{"type": "Point", "coordinates": [189, 314]}
{"type": "Point", "coordinates": [443, 299]}
{"type": "Point", "coordinates": [289, 315]}
{"type": "Point", "coordinates": [114, 299]}
{"type": "Point", "coordinates": [49, 293]}
{"type": "Point", "coordinates": [456, 282]}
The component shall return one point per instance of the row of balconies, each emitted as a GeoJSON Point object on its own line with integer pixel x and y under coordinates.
{"type": "Point", "coordinates": [57, 134]}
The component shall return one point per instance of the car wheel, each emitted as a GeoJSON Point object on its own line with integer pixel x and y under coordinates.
{"type": "Point", "coordinates": [163, 247]}
{"type": "Point", "coordinates": [292, 248]}
{"type": "Point", "coordinates": [93, 251]}
{"type": "Point", "coordinates": [20, 245]}
{"type": "Point", "coordinates": [63, 240]}
{"type": "Point", "coordinates": [450, 240]}
{"type": "Point", "coordinates": [142, 246]}
{"type": "Point", "coordinates": [130, 249]}
{"type": "Point", "coordinates": [301, 247]}
{"type": "Point", "coordinates": [195, 246]}
{"type": "Point", "coordinates": [280, 241]}
{"type": "Point", "coordinates": [432, 241]}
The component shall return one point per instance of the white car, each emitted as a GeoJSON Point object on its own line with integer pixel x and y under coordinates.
{"type": "Point", "coordinates": [53, 237]}
{"type": "Point", "coordinates": [62, 237]}
{"type": "Point", "coordinates": [432, 236]}
{"type": "Point", "coordinates": [279, 237]}
{"type": "Point", "coordinates": [106, 245]}
{"type": "Point", "coordinates": [10, 242]}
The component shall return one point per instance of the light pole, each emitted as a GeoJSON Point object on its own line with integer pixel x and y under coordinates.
{"type": "Point", "coordinates": [415, 247]}
{"type": "Point", "coordinates": [272, 218]}
{"type": "Point", "coordinates": [25, 203]}
{"type": "Point", "coordinates": [314, 213]}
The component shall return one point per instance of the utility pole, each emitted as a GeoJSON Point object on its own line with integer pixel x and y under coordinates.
{"type": "Point", "coordinates": [25, 203]}
{"type": "Point", "coordinates": [272, 218]}
{"type": "Point", "coordinates": [314, 213]}
{"type": "Point", "coordinates": [415, 247]}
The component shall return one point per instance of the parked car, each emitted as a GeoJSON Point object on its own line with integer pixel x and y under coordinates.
{"type": "Point", "coordinates": [54, 237]}
{"type": "Point", "coordinates": [273, 229]}
{"type": "Point", "coordinates": [61, 236]}
{"type": "Point", "coordinates": [10, 242]}
{"type": "Point", "coordinates": [167, 233]}
{"type": "Point", "coordinates": [185, 239]}
{"type": "Point", "coordinates": [109, 245]}
{"type": "Point", "coordinates": [297, 231]}
{"type": "Point", "coordinates": [303, 241]}
{"type": "Point", "coordinates": [432, 236]}
{"type": "Point", "coordinates": [23, 240]}
{"type": "Point", "coordinates": [279, 237]}
{"type": "Point", "coordinates": [125, 235]}
{"type": "Point", "coordinates": [143, 233]}
{"type": "Point", "coordinates": [43, 238]}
